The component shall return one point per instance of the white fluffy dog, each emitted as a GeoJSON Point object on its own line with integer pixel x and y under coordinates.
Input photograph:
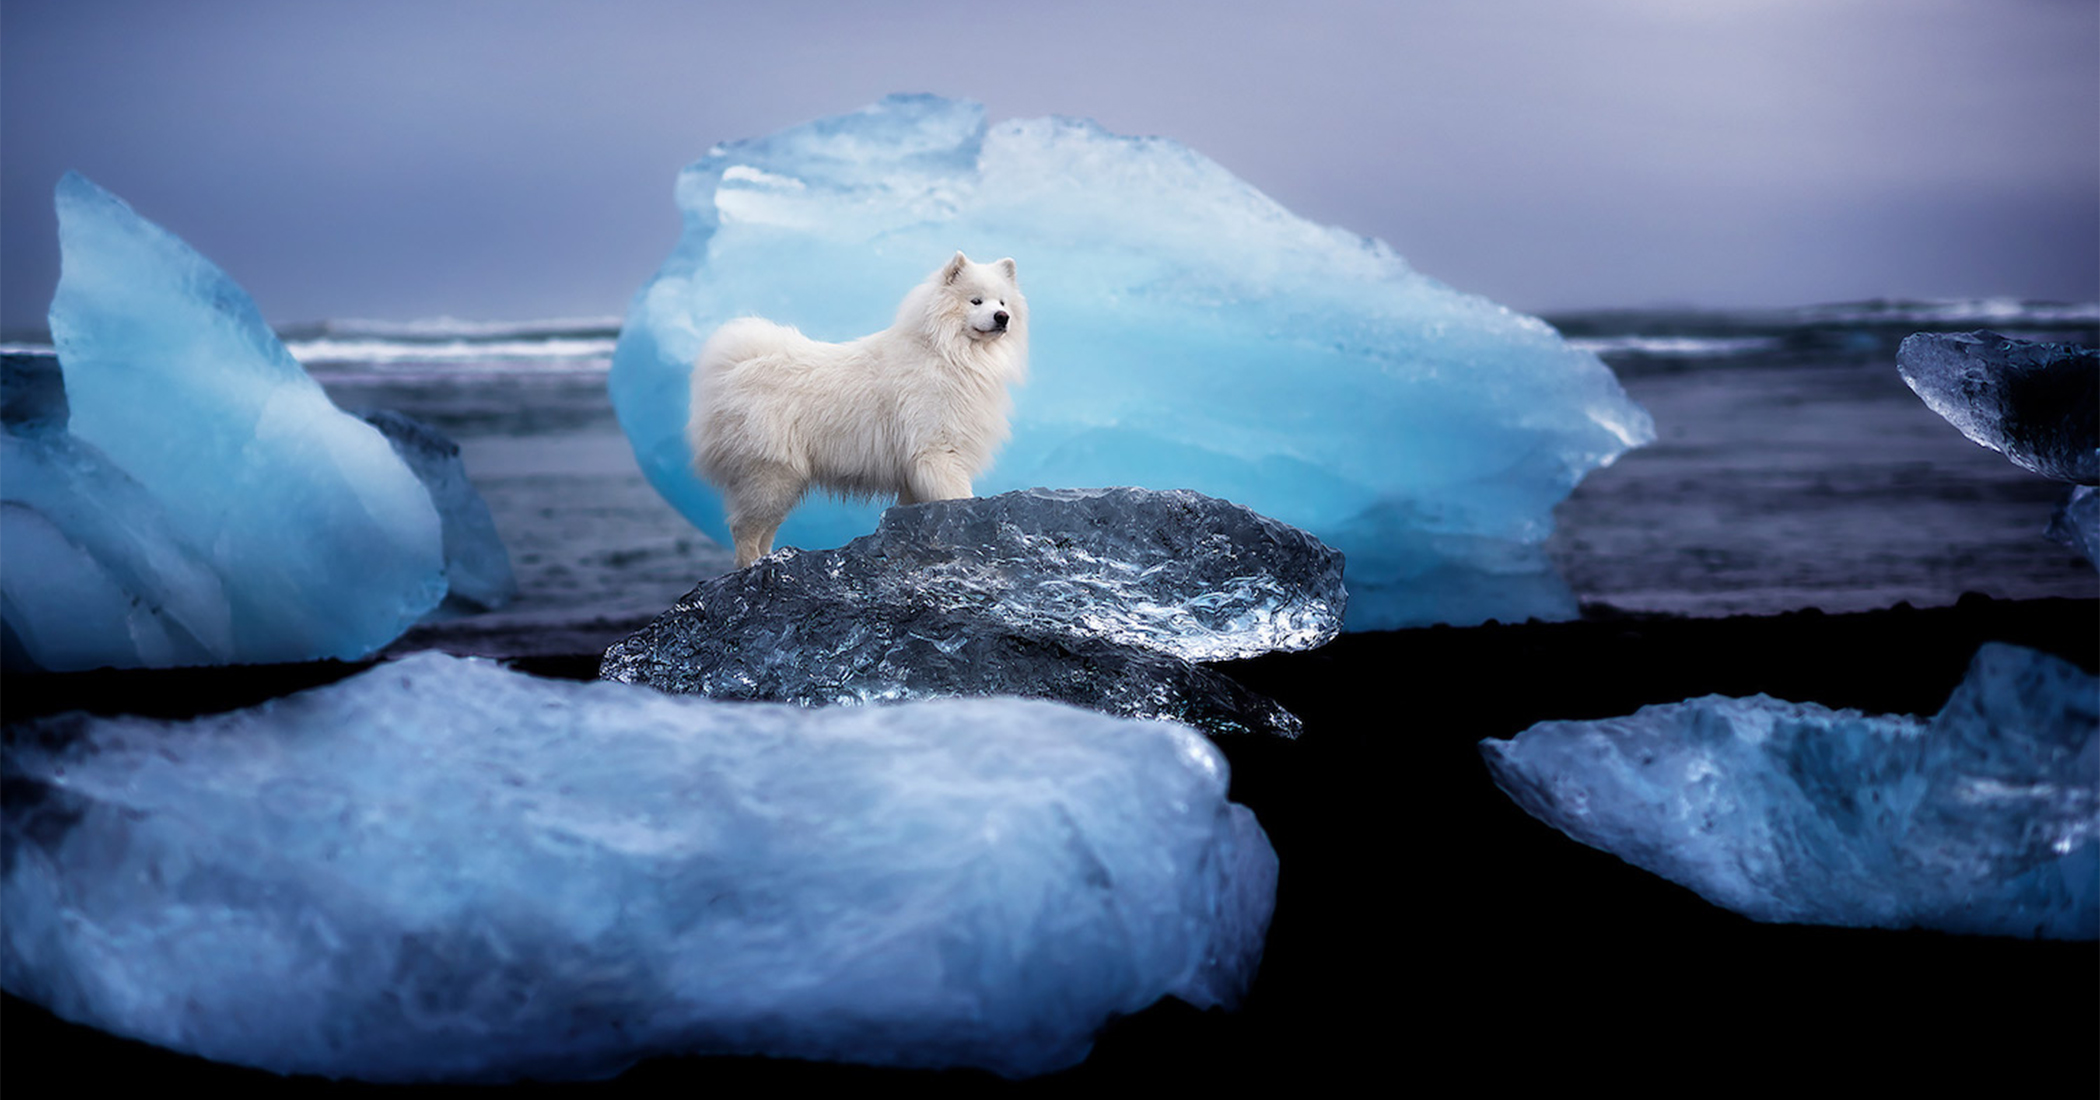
{"type": "Point", "coordinates": [914, 411]}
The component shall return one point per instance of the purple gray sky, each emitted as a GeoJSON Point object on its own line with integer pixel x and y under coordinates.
{"type": "Point", "coordinates": [513, 159]}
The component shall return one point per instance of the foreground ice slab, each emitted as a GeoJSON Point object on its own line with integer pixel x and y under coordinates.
{"type": "Point", "coordinates": [1982, 819]}
{"type": "Point", "coordinates": [442, 870]}
{"type": "Point", "coordinates": [1188, 332]}
{"type": "Point", "coordinates": [2037, 404]}
{"type": "Point", "coordinates": [325, 543]}
{"type": "Point", "coordinates": [1100, 597]}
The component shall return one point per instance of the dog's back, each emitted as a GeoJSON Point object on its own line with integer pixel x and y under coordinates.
{"type": "Point", "coordinates": [914, 411]}
{"type": "Point", "coordinates": [766, 395]}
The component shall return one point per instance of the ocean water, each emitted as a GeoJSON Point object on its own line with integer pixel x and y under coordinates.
{"type": "Point", "coordinates": [1792, 469]}
{"type": "Point", "coordinates": [596, 552]}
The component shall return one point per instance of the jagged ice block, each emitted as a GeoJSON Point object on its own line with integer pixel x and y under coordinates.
{"type": "Point", "coordinates": [1188, 332]}
{"type": "Point", "coordinates": [179, 491]}
{"type": "Point", "coordinates": [441, 870]}
{"type": "Point", "coordinates": [1100, 597]}
{"type": "Point", "coordinates": [2037, 404]}
{"type": "Point", "coordinates": [326, 542]}
{"type": "Point", "coordinates": [1982, 819]}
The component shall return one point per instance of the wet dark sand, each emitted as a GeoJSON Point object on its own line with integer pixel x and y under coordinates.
{"type": "Point", "coordinates": [1428, 932]}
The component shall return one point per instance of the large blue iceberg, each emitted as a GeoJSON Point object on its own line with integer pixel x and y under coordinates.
{"type": "Point", "coordinates": [1188, 332]}
{"type": "Point", "coordinates": [441, 870]}
{"type": "Point", "coordinates": [1983, 819]}
{"type": "Point", "coordinates": [190, 495]}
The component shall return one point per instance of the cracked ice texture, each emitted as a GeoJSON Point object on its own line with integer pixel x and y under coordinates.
{"type": "Point", "coordinates": [1189, 332]}
{"type": "Point", "coordinates": [1982, 819]}
{"type": "Point", "coordinates": [444, 870]}
{"type": "Point", "coordinates": [325, 543]}
{"type": "Point", "coordinates": [2037, 404]}
{"type": "Point", "coordinates": [1099, 597]}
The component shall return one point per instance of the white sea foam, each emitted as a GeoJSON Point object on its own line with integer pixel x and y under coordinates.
{"type": "Point", "coordinates": [463, 352]}
{"type": "Point", "coordinates": [454, 328]}
{"type": "Point", "coordinates": [1685, 347]}
{"type": "Point", "coordinates": [1953, 311]}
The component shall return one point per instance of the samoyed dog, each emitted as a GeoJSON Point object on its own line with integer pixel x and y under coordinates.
{"type": "Point", "coordinates": [912, 412]}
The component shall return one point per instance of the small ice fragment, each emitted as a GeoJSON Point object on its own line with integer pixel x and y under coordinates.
{"type": "Point", "coordinates": [2037, 404]}
{"type": "Point", "coordinates": [1982, 819]}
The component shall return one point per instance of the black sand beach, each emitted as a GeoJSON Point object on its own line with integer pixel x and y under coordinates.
{"type": "Point", "coordinates": [1426, 929]}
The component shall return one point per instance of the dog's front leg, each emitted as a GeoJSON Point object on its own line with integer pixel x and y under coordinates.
{"type": "Point", "coordinates": [937, 475]}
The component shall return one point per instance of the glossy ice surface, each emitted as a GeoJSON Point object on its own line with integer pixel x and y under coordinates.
{"type": "Point", "coordinates": [1100, 597]}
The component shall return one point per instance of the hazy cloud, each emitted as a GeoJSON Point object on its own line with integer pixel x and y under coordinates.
{"type": "Point", "coordinates": [515, 159]}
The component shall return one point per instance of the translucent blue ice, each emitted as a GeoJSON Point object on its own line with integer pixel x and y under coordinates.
{"type": "Point", "coordinates": [95, 574]}
{"type": "Point", "coordinates": [1186, 332]}
{"type": "Point", "coordinates": [325, 543]}
{"type": "Point", "coordinates": [1983, 819]}
{"type": "Point", "coordinates": [478, 576]}
{"type": "Point", "coordinates": [444, 870]}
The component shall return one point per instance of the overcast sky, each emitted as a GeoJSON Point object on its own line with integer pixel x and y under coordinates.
{"type": "Point", "coordinates": [514, 159]}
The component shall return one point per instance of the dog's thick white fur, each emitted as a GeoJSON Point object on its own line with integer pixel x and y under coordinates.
{"type": "Point", "coordinates": [915, 411]}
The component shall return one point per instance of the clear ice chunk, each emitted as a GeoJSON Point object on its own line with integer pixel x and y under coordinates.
{"type": "Point", "coordinates": [179, 491]}
{"type": "Point", "coordinates": [1100, 597]}
{"type": "Point", "coordinates": [2037, 404]}
{"type": "Point", "coordinates": [478, 576]}
{"type": "Point", "coordinates": [1983, 819]}
{"type": "Point", "coordinates": [325, 542]}
{"type": "Point", "coordinates": [442, 870]}
{"type": "Point", "coordinates": [1188, 332]}
{"type": "Point", "coordinates": [2076, 522]}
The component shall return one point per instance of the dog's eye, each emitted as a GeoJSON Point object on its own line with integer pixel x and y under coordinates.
{"type": "Point", "coordinates": [976, 301]}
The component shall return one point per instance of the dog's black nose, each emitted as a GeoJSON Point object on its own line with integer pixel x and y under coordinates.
{"type": "Point", "coordinates": [999, 318]}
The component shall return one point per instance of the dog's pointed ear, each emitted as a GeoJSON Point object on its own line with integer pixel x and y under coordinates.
{"type": "Point", "coordinates": [954, 268]}
{"type": "Point", "coordinates": [1007, 265]}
